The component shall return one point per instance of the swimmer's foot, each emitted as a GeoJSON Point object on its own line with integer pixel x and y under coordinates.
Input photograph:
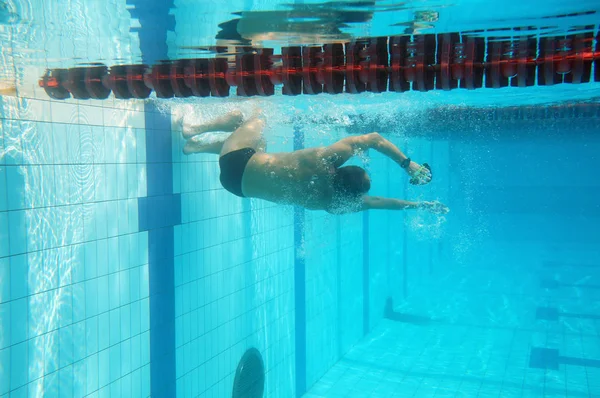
{"type": "Point", "coordinates": [421, 175]}
{"type": "Point", "coordinates": [205, 143]}
{"type": "Point", "coordinates": [228, 123]}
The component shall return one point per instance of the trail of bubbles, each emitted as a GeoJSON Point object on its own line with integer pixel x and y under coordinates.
{"type": "Point", "coordinates": [319, 116]}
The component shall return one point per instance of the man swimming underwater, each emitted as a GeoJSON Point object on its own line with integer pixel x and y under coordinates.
{"type": "Point", "coordinates": [314, 178]}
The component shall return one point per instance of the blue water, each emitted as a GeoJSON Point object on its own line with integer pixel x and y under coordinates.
{"type": "Point", "coordinates": [127, 271]}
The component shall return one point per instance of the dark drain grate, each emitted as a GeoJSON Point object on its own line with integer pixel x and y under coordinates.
{"type": "Point", "coordinates": [249, 379]}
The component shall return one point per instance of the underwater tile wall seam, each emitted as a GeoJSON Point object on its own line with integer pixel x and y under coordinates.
{"type": "Point", "coordinates": [365, 264]}
{"type": "Point", "coordinates": [404, 240]}
{"type": "Point", "coordinates": [160, 211]}
{"type": "Point", "coordinates": [300, 283]}
{"type": "Point", "coordinates": [338, 287]}
{"type": "Point", "coordinates": [300, 280]}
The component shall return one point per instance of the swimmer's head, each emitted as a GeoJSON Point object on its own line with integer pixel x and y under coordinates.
{"type": "Point", "coordinates": [351, 182]}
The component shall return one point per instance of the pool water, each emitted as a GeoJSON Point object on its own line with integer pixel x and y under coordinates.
{"type": "Point", "coordinates": [127, 270]}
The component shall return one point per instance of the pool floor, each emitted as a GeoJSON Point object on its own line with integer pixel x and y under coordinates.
{"type": "Point", "coordinates": [403, 360]}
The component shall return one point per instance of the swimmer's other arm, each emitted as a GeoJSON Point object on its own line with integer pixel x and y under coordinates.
{"type": "Point", "coordinates": [379, 203]}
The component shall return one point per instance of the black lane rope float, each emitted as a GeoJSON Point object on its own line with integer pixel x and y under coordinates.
{"type": "Point", "coordinates": [396, 63]}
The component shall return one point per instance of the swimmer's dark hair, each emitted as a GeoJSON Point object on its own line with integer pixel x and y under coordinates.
{"type": "Point", "coordinates": [351, 182]}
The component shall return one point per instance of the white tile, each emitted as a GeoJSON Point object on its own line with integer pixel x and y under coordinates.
{"type": "Point", "coordinates": [36, 110]}
{"type": "Point", "coordinates": [98, 143]}
{"type": "Point", "coordinates": [13, 149]}
{"type": "Point", "coordinates": [114, 117]}
{"type": "Point", "coordinates": [90, 115]}
{"type": "Point", "coordinates": [110, 145]}
{"type": "Point", "coordinates": [140, 143]}
{"type": "Point", "coordinates": [136, 119]}
{"type": "Point", "coordinates": [64, 112]}
{"type": "Point", "coordinates": [59, 140]}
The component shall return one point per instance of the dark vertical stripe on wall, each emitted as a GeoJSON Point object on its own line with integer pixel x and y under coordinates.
{"type": "Point", "coordinates": [388, 266]}
{"type": "Point", "coordinates": [300, 284]}
{"type": "Point", "coordinates": [158, 214]}
{"type": "Point", "coordinates": [160, 211]}
{"type": "Point", "coordinates": [300, 279]}
{"type": "Point", "coordinates": [338, 273]}
{"type": "Point", "coordinates": [432, 161]}
{"type": "Point", "coordinates": [404, 259]}
{"type": "Point", "coordinates": [404, 246]}
{"type": "Point", "coordinates": [366, 278]}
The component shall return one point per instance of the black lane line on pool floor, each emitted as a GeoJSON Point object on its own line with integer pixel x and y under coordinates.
{"type": "Point", "coordinates": [558, 264]}
{"type": "Point", "coordinates": [554, 284]}
{"type": "Point", "coordinates": [550, 358]}
{"type": "Point", "coordinates": [552, 314]}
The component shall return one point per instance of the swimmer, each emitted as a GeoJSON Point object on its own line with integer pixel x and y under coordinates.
{"type": "Point", "coordinates": [313, 178]}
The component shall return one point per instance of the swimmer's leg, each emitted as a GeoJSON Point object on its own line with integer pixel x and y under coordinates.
{"type": "Point", "coordinates": [248, 135]}
{"type": "Point", "coordinates": [205, 143]}
{"type": "Point", "coordinates": [228, 122]}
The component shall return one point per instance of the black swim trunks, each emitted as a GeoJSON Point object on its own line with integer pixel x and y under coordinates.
{"type": "Point", "coordinates": [232, 166]}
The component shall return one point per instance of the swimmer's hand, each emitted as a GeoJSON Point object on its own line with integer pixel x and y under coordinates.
{"type": "Point", "coordinates": [418, 172]}
{"type": "Point", "coordinates": [434, 207]}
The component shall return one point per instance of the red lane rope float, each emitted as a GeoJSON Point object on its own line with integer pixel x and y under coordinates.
{"type": "Point", "coordinates": [397, 48]}
{"type": "Point", "coordinates": [458, 61]}
{"type": "Point", "coordinates": [75, 83]}
{"type": "Point", "coordinates": [378, 65]}
{"type": "Point", "coordinates": [425, 59]}
{"type": "Point", "coordinates": [243, 78]}
{"type": "Point", "coordinates": [263, 62]}
{"type": "Point", "coordinates": [292, 65]}
{"type": "Point", "coordinates": [473, 56]}
{"type": "Point", "coordinates": [159, 79]}
{"type": "Point", "coordinates": [178, 81]}
{"type": "Point", "coordinates": [127, 81]}
{"type": "Point", "coordinates": [84, 83]}
{"type": "Point", "coordinates": [581, 67]}
{"type": "Point", "coordinates": [196, 76]}
{"type": "Point", "coordinates": [508, 66]}
{"type": "Point", "coordinates": [548, 72]}
{"type": "Point", "coordinates": [333, 68]}
{"type": "Point", "coordinates": [525, 67]}
{"type": "Point", "coordinates": [312, 59]}
{"type": "Point", "coordinates": [217, 69]}
{"type": "Point", "coordinates": [354, 85]}
{"type": "Point", "coordinates": [135, 81]}
{"type": "Point", "coordinates": [397, 63]}
{"type": "Point", "coordinates": [597, 60]}
{"type": "Point", "coordinates": [52, 82]}
{"type": "Point", "coordinates": [94, 82]}
{"type": "Point", "coordinates": [494, 78]}
{"type": "Point", "coordinates": [444, 79]}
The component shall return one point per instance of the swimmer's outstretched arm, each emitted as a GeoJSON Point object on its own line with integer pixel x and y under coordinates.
{"type": "Point", "coordinates": [377, 202]}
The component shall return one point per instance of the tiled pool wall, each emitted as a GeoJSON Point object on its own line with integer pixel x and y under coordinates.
{"type": "Point", "coordinates": [74, 262]}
